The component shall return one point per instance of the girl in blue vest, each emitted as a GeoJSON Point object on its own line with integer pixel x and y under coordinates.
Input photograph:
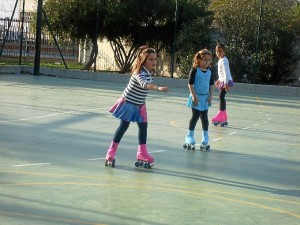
{"type": "Point", "coordinates": [201, 86]}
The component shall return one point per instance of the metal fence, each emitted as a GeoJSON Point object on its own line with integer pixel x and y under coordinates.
{"type": "Point", "coordinates": [13, 35]}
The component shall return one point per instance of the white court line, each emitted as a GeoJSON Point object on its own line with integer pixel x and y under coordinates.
{"type": "Point", "coordinates": [232, 133]}
{"type": "Point", "coordinates": [157, 151]}
{"type": "Point", "coordinates": [217, 139]}
{"type": "Point", "coordinates": [49, 115]}
{"type": "Point", "coordinates": [33, 164]}
{"type": "Point", "coordinates": [96, 159]}
{"type": "Point", "coordinates": [245, 128]}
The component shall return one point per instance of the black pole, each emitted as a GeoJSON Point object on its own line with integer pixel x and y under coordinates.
{"type": "Point", "coordinates": [22, 33]}
{"type": "Point", "coordinates": [257, 41]}
{"type": "Point", "coordinates": [174, 40]}
{"type": "Point", "coordinates": [37, 57]}
{"type": "Point", "coordinates": [97, 33]}
{"type": "Point", "coordinates": [61, 55]}
{"type": "Point", "coordinates": [9, 24]}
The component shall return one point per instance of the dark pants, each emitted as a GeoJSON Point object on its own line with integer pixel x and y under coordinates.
{"type": "Point", "coordinates": [196, 114]}
{"type": "Point", "coordinates": [123, 128]}
{"type": "Point", "coordinates": [222, 94]}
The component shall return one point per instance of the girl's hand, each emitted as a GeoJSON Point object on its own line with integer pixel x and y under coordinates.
{"type": "Point", "coordinates": [227, 87]}
{"type": "Point", "coordinates": [209, 100]}
{"type": "Point", "coordinates": [195, 101]}
{"type": "Point", "coordinates": [163, 89]}
{"type": "Point", "coordinates": [217, 83]}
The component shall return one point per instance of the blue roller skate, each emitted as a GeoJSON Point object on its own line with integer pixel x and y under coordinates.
{"type": "Point", "coordinates": [189, 141]}
{"type": "Point", "coordinates": [204, 145]}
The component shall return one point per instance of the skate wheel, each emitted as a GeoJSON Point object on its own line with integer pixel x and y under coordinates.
{"type": "Point", "coordinates": [192, 147]}
{"type": "Point", "coordinates": [110, 163]}
{"type": "Point", "coordinates": [185, 146]}
{"type": "Point", "coordinates": [207, 147]}
{"type": "Point", "coordinates": [147, 165]}
{"type": "Point", "coordinates": [215, 123]}
{"type": "Point", "coordinates": [113, 163]}
{"type": "Point", "coordinates": [139, 163]}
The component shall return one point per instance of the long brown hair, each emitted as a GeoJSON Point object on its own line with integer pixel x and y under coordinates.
{"type": "Point", "coordinates": [141, 58]}
{"type": "Point", "coordinates": [199, 55]}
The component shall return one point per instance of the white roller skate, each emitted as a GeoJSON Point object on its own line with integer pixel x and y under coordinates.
{"type": "Point", "coordinates": [204, 145]}
{"type": "Point", "coordinates": [189, 141]}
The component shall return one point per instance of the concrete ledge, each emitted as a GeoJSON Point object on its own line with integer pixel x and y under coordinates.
{"type": "Point", "coordinates": [162, 81]}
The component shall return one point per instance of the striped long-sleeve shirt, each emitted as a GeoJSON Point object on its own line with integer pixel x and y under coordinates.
{"type": "Point", "coordinates": [136, 91]}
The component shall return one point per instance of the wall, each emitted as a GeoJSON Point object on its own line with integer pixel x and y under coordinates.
{"type": "Point", "coordinates": [162, 81]}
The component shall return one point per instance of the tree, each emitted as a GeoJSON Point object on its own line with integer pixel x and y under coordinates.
{"type": "Point", "coordinates": [78, 18]}
{"type": "Point", "coordinates": [128, 24]}
{"type": "Point", "coordinates": [194, 32]}
{"type": "Point", "coordinates": [137, 23]}
{"type": "Point", "coordinates": [237, 21]}
{"type": "Point", "coordinates": [151, 22]}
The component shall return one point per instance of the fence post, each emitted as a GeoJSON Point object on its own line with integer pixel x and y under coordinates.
{"type": "Point", "coordinates": [37, 58]}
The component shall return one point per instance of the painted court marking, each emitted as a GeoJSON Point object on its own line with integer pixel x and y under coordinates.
{"type": "Point", "coordinates": [32, 164]}
{"type": "Point", "coordinates": [217, 139]}
{"type": "Point", "coordinates": [49, 115]}
{"type": "Point", "coordinates": [96, 159]}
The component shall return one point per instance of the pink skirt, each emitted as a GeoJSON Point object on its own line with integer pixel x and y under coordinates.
{"type": "Point", "coordinates": [129, 112]}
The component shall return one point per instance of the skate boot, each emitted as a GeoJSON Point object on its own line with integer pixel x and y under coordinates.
{"type": "Point", "coordinates": [225, 123]}
{"type": "Point", "coordinates": [219, 119]}
{"type": "Point", "coordinates": [189, 141]}
{"type": "Point", "coordinates": [143, 158]}
{"type": "Point", "coordinates": [204, 145]}
{"type": "Point", "coordinates": [110, 155]}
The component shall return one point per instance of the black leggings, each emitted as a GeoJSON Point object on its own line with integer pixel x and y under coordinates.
{"type": "Point", "coordinates": [222, 94]}
{"type": "Point", "coordinates": [123, 128]}
{"type": "Point", "coordinates": [196, 114]}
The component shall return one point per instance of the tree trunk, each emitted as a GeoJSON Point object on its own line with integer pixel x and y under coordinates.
{"type": "Point", "coordinates": [93, 55]}
{"type": "Point", "coordinates": [124, 56]}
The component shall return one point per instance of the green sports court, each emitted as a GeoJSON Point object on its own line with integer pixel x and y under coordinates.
{"type": "Point", "coordinates": [54, 134]}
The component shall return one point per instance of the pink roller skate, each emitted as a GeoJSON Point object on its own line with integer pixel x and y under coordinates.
{"type": "Point", "coordinates": [110, 155]}
{"type": "Point", "coordinates": [220, 118]}
{"type": "Point", "coordinates": [143, 157]}
{"type": "Point", "coordinates": [225, 115]}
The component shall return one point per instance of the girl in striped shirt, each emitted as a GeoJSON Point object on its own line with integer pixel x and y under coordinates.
{"type": "Point", "coordinates": [131, 107]}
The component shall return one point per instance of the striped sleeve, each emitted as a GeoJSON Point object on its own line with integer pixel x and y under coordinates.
{"type": "Point", "coordinates": [136, 91]}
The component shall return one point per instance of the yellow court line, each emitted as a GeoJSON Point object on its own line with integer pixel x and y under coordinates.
{"type": "Point", "coordinates": [144, 182]}
{"type": "Point", "coordinates": [48, 218]}
{"type": "Point", "coordinates": [168, 190]}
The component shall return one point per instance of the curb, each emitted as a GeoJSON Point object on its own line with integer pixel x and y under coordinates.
{"type": "Point", "coordinates": [162, 81]}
